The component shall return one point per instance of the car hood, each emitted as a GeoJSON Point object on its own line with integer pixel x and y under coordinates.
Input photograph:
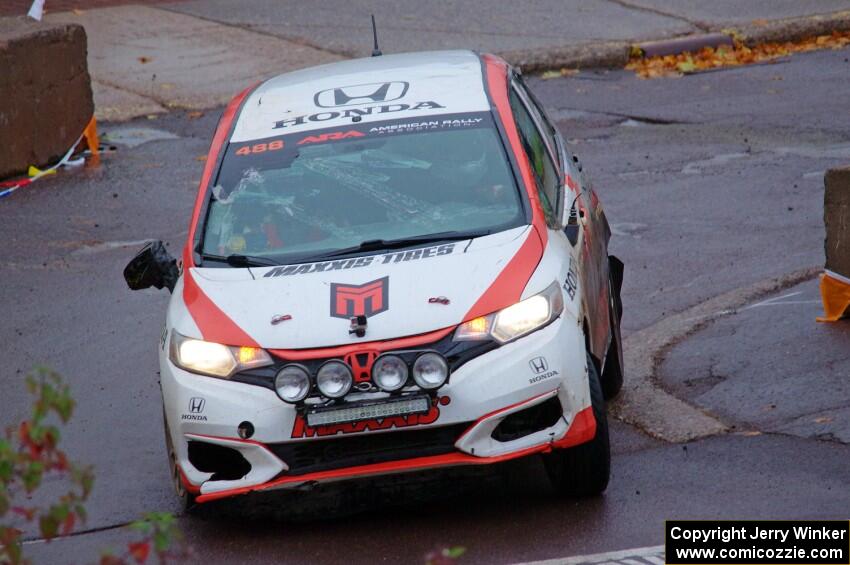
{"type": "Point", "coordinates": [403, 293]}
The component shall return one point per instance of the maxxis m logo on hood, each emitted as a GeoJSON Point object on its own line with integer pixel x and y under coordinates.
{"type": "Point", "coordinates": [367, 299]}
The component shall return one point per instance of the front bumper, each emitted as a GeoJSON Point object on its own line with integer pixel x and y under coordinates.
{"type": "Point", "coordinates": [477, 418]}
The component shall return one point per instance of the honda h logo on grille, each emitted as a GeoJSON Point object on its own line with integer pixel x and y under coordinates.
{"type": "Point", "coordinates": [538, 365]}
{"type": "Point", "coordinates": [361, 94]}
{"type": "Point", "coordinates": [196, 405]}
{"type": "Point", "coordinates": [368, 299]}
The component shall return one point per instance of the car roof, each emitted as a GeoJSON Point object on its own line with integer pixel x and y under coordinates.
{"type": "Point", "coordinates": [388, 87]}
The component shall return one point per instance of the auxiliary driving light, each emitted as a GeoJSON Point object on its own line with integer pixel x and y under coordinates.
{"type": "Point", "coordinates": [430, 371]}
{"type": "Point", "coordinates": [389, 372]}
{"type": "Point", "coordinates": [416, 405]}
{"type": "Point", "coordinates": [292, 383]}
{"type": "Point", "coordinates": [334, 379]}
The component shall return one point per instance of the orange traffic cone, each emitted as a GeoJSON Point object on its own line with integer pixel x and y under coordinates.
{"type": "Point", "coordinates": [835, 292]}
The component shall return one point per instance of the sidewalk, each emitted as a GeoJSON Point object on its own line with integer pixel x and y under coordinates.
{"type": "Point", "coordinates": [150, 57]}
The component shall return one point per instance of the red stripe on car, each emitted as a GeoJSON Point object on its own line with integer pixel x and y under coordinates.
{"type": "Point", "coordinates": [509, 284]}
{"type": "Point", "coordinates": [214, 324]}
{"type": "Point", "coordinates": [378, 346]}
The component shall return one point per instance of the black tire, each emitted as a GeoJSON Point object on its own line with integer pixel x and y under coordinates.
{"type": "Point", "coordinates": [187, 499]}
{"type": "Point", "coordinates": [584, 470]}
{"type": "Point", "coordinates": [612, 372]}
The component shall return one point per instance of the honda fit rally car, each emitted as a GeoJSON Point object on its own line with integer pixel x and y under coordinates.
{"type": "Point", "coordinates": [393, 264]}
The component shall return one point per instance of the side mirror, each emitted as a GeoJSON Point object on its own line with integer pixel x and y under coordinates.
{"type": "Point", "coordinates": [152, 266]}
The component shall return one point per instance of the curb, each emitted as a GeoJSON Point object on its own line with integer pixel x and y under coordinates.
{"type": "Point", "coordinates": [643, 402]}
{"type": "Point", "coordinates": [600, 55]}
{"type": "Point", "coordinates": [616, 54]}
{"type": "Point", "coordinates": [793, 29]}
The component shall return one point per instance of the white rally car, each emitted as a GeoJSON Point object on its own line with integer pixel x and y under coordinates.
{"type": "Point", "coordinates": [393, 264]}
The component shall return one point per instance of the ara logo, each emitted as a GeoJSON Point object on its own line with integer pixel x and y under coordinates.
{"type": "Point", "coordinates": [361, 94]}
{"type": "Point", "coordinates": [366, 299]}
{"type": "Point", "coordinates": [332, 136]}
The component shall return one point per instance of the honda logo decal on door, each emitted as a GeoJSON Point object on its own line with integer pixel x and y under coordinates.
{"type": "Point", "coordinates": [368, 299]}
{"type": "Point", "coordinates": [361, 94]}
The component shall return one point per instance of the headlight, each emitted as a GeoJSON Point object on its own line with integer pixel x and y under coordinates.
{"type": "Point", "coordinates": [292, 383]}
{"type": "Point", "coordinates": [334, 379]}
{"type": "Point", "coordinates": [430, 371]}
{"type": "Point", "coordinates": [389, 372]}
{"type": "Point", "coordinates": [517, 320]}
{"type": "Point", "coordinates": [214, 359]}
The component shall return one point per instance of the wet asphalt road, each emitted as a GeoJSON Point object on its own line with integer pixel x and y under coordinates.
{"type": "Point", "coordinates": [711, 182]}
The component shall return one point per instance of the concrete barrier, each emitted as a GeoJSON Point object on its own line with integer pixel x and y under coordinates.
{"type": "Point", "coordinates": [836, 218]}
{"type": "Point", "coordinates": [45, 92]}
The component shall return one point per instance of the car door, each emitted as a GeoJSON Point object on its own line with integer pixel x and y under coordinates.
{"type": "Point", "coordinates": [579, 214]}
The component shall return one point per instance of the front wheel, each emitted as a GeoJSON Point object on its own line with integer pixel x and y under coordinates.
{"type": "Point", "coordinates": [584, 470]}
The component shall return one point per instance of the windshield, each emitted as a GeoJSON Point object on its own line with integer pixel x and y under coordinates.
{"type": "Point", "coordinates": [303, 195]}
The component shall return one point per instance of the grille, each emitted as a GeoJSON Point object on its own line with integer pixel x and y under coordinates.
{"type": "Point", "coordinates": [339, 452]}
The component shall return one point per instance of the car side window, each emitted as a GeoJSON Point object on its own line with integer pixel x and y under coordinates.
{"type": "Point", "coordinates": [535, 107]}
{"type": "Point", "coordinates": [545, 172]}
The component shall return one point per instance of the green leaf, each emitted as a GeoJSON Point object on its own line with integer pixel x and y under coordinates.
{"type": "Point", "coordinates": [32, 475]}
{"type": "Point", "coordinates": [81, 511]}
{"type": "Point", "coordinates": [4, 504]}
{"type": "Point", "coordinates": [454, 552]}
{"type": "Point", "coordinates": [6, 469]}
{"type": "Point", "coordinates": [142, 526]}
{"type": "Point", "coordinates": [161, 541]}
{"type": "Point", "coordinates": [49, 526]}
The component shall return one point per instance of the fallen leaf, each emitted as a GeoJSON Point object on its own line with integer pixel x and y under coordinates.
{"type": "Point", "coordinates": [144, 60]}
{"type": "Point", "coordinates": [194, 115]}
{"type": "Point", "coordinates": [568, 72]}
{"type": "Point", "coordinates": [760, 22]}
{"type": "Point", "coordinates": [550, 75]}
{"type": "Point", "coordinates": [709, 58]}
{"type": "Point", "coordinates": [78, 12]}
{"type": "Point", "coordinates": [201, 158]}
{"type": "Point", "coordinates": [823, 420]}
{"type": "Point", "coordinates": [687, 66]}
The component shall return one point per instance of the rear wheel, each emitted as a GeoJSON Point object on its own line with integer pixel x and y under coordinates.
{"type": "Point", "coordinates": [584, 470]}
{"type": "Point", "coordinates": [187, 499]}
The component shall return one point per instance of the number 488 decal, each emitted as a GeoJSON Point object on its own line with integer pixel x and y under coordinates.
{"type": "Point", "coordinates": [260, 148]}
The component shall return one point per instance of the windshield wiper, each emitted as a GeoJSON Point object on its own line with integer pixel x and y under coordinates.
{"type": "Point", "coordinates": [382, 244]}
{"type": "Point", "coordinates": [243, 260]}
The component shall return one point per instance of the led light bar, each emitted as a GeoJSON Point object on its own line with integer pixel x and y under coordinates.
{"type": "Point", "coordinates": [415, 405]}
